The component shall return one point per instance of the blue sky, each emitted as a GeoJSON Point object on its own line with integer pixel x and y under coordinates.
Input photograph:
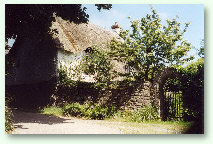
{"type": "Point", "coordinates": [193, 13]}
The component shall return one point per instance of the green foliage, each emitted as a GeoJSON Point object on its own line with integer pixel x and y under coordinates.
{"type": "Point", "coordinates": [98, 64]}
{"type": "Point", "coordinates": [27, 20]}
{"type": "Point", "coordinates": [63, 79]}
{"type": "Point", "coordinates": [95, 111]}
{"type": "Point", "coordinates": [194, 67]}
{"type": "Point", "coordinates": [194, 73]}
{"type": "Point", "coordinates": [103, 6]}
{"type": "Point", "coordinates": [73, 109]}
{"type": "Point", "coordinates": [88, 110]}
{"type": "Point", "coordinates": [173, 84]}
{"type": "Point", "coordinates": [147, 113]}
{"type": "Point", "coordinates": [194, 89]}
{"type": "Point", "coordinates": [150, 46]}
{"type": "Point", "coordinates": [147, 49]}
{"type": "Point", "coordinates": [52, 110]}
{"type": "Point", "coordinates": [8, 119]}
{"type": "Point", "coordinates": [201, 50]}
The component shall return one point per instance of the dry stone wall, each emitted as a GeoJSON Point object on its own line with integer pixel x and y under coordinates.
{"type": "Point", "coordinates": [129, 98]}
{"type": "Point", "coordinates": [139, 98]}
{"type": "Point", "coordinates": [124, 98]}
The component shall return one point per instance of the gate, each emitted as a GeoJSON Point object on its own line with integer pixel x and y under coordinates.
{"type": "Point", "coordinates": [173, 105]}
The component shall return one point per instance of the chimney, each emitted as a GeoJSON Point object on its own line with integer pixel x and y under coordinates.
{"type": "Point", "coordinates": [116, 28]}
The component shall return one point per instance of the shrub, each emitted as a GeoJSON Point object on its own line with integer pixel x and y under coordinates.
{"type": "Point", "coordinates": [73, 109]}
{"type": "Point", "coordinates": [147, 113]}
{"type": "Point", "coordinates": [87, 110]}
{"type": "Point", "coordinates": [194, 90]}
{"type": "Point", "coordinates": [8, 120]}
{"type": "Point", "coordinates": [97, 112]}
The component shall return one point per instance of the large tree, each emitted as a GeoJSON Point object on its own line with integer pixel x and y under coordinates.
{"type": "Point", "coordinates": [29, 24]}
{"type": "Point", "coordinates": [26, 20]}
{"type": "Point", "coordinates": [150, 46]}
{"type": "Point", "coordinates": [147, 48]}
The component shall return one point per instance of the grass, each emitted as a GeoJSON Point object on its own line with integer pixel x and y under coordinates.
{"type": "Point", "coordinates": [155, 127]}
{"type": "Point", "coordinates": [52, 110]}
{"type": "Point", "coordinates": [148, 127]}
{"type": "Point", "coordinates": [129, 127]}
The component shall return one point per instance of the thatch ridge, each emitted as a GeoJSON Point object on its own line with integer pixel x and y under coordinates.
{"type": "Point", "coordinates": [78, 37]}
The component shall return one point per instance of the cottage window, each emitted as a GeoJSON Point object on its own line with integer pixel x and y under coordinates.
{"type": "Point", "coordinates": [88, 53]}
{"type": "Point", "coordinates": [127, 69]}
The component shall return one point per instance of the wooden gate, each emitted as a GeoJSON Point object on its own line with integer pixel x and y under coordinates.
{"type": "Point", "coordinates": [174, 105]}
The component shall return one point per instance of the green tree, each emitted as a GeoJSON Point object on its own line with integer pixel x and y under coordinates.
{"type": "Point", "coordinates": [194, 89]}
{"type": "Point", "coordinates": [31, 22]}
{"type": "Point", "coordinates": [201, 50]}
{"type": "Point", "coordinates": [151, 46]}
{"type": "Point", "coordinates": [27, 20]}
{"type": "Point", "coordinates": [98, 64]}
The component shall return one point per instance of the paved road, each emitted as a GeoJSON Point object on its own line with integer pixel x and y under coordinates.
{"type": "Point", "coordinates": [34, 123]}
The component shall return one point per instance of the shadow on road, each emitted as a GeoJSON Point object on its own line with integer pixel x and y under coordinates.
{"type": "Point", "coordinates": [26, 117]}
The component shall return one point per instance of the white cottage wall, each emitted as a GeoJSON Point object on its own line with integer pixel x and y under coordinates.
{"type": "Point", "coordinates": [71, 61]}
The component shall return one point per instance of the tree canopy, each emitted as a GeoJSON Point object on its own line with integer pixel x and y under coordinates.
{"type": "Point", "coordinates": [201, 50]}
{"type": "Point", "coordinates": [149, 47]}
{"type": "Point", "coordinates": [26, 20]}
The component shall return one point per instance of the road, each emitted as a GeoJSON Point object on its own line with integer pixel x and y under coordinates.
{"type": "Point", "coordinates": [35, 123]}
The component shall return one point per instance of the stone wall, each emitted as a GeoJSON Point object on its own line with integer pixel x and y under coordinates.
{"type": "Point", "coordinates": [138, 97]}
{"type": "Point", "coordinates": [124, 97]}
{"type": "Point", "coordinates": [41, 94]}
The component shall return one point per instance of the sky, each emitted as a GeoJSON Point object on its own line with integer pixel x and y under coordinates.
{"type": "Point", "coordinates": [193, 13]}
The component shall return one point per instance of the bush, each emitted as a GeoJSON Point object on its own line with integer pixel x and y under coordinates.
{"type": "Point", "coordinates": [97, 112]}
{"type": "Point", "coordinates": [147, 113]}
{"type": "Point", "coordinates": [8, 120]}
{"type": "Point", "coordinates": [73, 109]}
{"type": "Point", "coordinates": [194, 90]}
{"type": "Point", "coordinates": [88, 111]}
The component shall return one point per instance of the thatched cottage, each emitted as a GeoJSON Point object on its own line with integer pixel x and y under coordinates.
{"type": "Point", "coordinates": [35, 63]}
{"type": "Point", "coordinates": [31, 77]}
{"type": "Point", "coordinates": [75, 40]}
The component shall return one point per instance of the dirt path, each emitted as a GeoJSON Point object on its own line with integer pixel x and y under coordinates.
{"type": "Point", "coordinates": [34, 123]}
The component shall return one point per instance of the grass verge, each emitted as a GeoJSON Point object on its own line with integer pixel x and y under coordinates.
{"type": "Point", "coordinates": [154, 127]}
{"type": "Point", "coordinates": [52, 110]}
{"type": "Point", "coordinates": [128, 125]}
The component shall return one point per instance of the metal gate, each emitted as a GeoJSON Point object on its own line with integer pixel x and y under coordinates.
{"type": "Point", "coordinates": [174, 105]}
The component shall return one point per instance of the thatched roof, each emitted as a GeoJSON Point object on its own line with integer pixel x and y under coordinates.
{"type": "Point", "coordinates": [75, 38]}
{"type": "Point", "coordinates": [78, 37]}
